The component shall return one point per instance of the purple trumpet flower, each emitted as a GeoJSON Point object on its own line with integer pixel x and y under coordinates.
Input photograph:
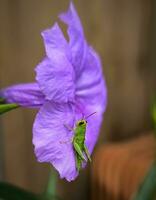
{"type": "Point", "coordinates": [69, 85]}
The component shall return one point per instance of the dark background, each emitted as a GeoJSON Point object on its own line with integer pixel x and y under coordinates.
{"type": "Point", "coordinates": [124, 34]}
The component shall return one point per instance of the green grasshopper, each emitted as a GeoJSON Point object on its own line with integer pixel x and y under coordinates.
{"type": "Point", "coordinates": [78, 142]}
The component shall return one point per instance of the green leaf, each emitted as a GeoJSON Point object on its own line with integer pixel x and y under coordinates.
{"type": "Point", "coordinates": [147, 190]}
{"type": "Point", "coordinates": [10, 192]}
{"type": "Point", "coordinates": [7, 107]}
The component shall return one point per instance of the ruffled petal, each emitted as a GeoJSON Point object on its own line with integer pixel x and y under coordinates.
{"type": "Point", "coordinates": [26, 95]}
{"type": "Point", "coordinates": [54, 40]}
{"type": "Point", "coordinates": [52, 140]}
{"type": "Point", "coordinates": [77, 41]}
{"type": "Point", "coordinates": [90, 85]}
{"type": "Point", "coordinates": [56, 78]}
{"type": "Point", "coordinates": [91, 93]}
{"type": "Point", "coordinates": [72, 19]}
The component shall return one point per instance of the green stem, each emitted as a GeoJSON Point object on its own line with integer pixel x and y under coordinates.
{"type": "Point", "coordinates": [7, 107]}
{"type": "Point", "coordinates": [50, 192]}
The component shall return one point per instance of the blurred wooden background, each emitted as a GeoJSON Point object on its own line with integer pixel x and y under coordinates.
{"type": "Point", "coordinates": [121, 31]}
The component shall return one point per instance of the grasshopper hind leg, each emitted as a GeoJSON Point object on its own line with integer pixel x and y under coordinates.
{"type": "Point", "coordinates": [87, 153]}
{"type": "Point", "coordinates": [78, 162]}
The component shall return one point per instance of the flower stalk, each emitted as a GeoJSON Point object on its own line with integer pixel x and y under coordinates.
{"type": "Point", "coordinates": [7, 107]}
{"type": "Point", "coordinates": [50, 192]}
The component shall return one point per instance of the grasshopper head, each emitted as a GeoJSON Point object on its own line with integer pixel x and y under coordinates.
{"type": "Point", "coordinates": [82, 123]}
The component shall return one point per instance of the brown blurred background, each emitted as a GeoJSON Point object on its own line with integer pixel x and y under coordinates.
{"type": "Point", "coordinates": [124, 34]}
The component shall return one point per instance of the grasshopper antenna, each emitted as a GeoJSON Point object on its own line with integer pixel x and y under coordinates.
{"type": "Point", "coordinates": [90, 115]}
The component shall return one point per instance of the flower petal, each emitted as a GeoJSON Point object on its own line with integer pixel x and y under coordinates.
{"type": "Point", "coordinates": [54, 41]}
{"type": "Point", "coordinates": [26, 95]}
{"type": "Point", "coordinates": [56, 78]}
{"type": "Point", "coordinates": [72, 19]}
{"type": "Point", "coordinates": [93, 130]}
{"type": "Point", "coordinates": [93, 122]}
{"type": "Point", "coordinates": [77, 41]}
{"type": "Point", "coordinates": [90, 85]}
{"type": "Point", "coordinates": [52, 140]}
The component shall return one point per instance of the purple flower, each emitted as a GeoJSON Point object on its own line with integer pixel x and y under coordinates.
{"type": "Point", "coordinates": [69, 85]}
{"type": "Point", "coordinates": [26, 95]}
